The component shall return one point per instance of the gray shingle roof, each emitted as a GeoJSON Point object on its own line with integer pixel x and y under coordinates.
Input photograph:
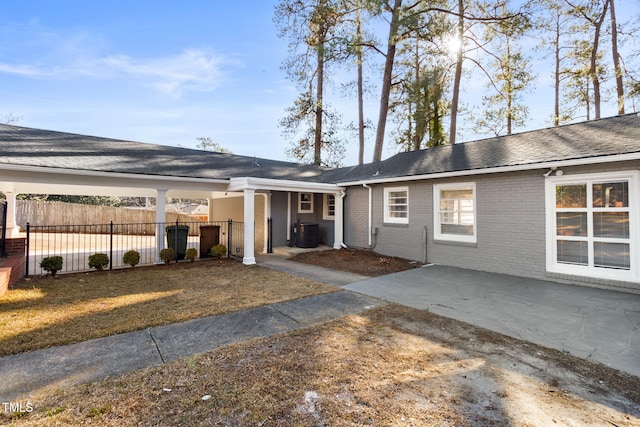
{"type": "Point", "coordinates": [597, 138]}
{"type": "Point", "coordinates": [36, 147]}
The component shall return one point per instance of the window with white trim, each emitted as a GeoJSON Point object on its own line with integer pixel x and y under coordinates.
{"type": "Point", "coordinates": [329, 211]}
{"type": "Point", "coordinates": [455, 212]}
{"type": "Point", "coordinates": [592, 225]}
{"type": "Point", "coordinates": [396, 205]}
{"type": "Point", "coordinates": [305, 202]}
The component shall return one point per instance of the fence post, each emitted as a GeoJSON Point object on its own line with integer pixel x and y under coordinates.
{"type": "Point", "coordinates": [269, 231]}
{"type": "Point", "coordinates": [111, 245]}
{"type": "Point", "coordinates": [229, 237]}
{"type": "Point", "coordinates": [26, 261]}
{"type": "Point", "coordinates": [175, 243]}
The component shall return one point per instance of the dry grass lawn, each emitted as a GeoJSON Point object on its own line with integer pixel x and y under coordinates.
{"type": "Point", "coordinates": [391, 366]}
{"type": "Point", "coordinates": [45, 311]}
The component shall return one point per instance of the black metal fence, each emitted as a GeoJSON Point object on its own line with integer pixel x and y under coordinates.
{"type": "Point", "coordinates": [75, 243]}
{"type": "Point", "coordinates": [3, 224]}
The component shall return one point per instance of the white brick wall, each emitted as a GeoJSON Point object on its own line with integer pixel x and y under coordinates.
{"type": "Point", "coordinates": [510, 224]}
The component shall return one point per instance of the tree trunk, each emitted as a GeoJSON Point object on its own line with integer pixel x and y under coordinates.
{"type": "Point", "coordinates": [616, 58]}
{"type": "Point", "coordinates": [457, 77]}
{"type": "Point", "coordinates": [509, 90]}
{"type": "Point", "coordinates": [360, 91]}
{"type": "Point", "coordinates": [593, 69]}
{"type": "Point", "coordinates": [419, 132]}
{"type": "Point", "coordinates": [386, 80]}
{"type": "Point", "coordinates": [317, 144]}
{"type": "Point", "coordinates": [556, 87]}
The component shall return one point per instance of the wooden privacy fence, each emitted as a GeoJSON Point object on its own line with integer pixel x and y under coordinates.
{"type": "Point", "coordinates": [37, 213]}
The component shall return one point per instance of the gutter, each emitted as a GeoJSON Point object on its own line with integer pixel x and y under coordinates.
{"type": "Point", "coordinates": [499, 169]}
{"type": "Point", "coordinates": [87, 173]}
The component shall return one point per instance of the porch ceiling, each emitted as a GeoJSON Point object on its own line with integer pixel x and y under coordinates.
{"type": "Point", "coordinates": [42, 180]}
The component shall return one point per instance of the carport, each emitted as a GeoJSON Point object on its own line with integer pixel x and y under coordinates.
{"type": "Point", "coordinates": [35, 161]}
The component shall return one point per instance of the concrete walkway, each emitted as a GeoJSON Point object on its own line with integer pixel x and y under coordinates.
{"type": "Point", "coordinates": [60, 367]}
{"type": "Point", "coordinates": [602, 325]}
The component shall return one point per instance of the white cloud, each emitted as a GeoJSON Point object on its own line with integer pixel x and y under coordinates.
{"type": "Point", "coordinates": [20, 70]}
{"type": "Point", "coordinates": [193, 69]}
{"type": "Point", "coordinates": [198, 70]}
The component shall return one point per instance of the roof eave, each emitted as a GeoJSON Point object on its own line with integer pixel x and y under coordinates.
{"type": "Point", "coordinates": [499, 169]}
{"type": "Point", "coordinates": [268, 184]}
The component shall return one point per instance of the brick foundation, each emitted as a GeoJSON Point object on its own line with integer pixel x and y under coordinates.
{"type": "Point", "coordinates": [12, 268]}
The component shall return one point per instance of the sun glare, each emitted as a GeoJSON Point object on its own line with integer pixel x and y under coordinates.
{"type": "Point", "coordinates": [454, 44]}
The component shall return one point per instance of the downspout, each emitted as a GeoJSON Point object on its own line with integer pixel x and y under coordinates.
{"type": "Point", "coordinates": [288, 218]}
{"type": "Point", "coordinates": [342, 194]}
{"type": "Point", "coordinates": [370, 219]}
{"type": "Point", "coordinates": [424, 242]}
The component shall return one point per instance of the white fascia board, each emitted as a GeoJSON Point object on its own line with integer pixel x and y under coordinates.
{"type": "Point", "coordinates": [266, 184]}
{"type": "Point", "coordinates": [501, 169]}
{"type": "Point", "coordinates": [62, 176]}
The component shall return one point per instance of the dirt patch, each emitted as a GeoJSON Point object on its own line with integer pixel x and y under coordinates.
{"type": "Point", "coordinates": [392, 366]}
{"type": "Point", "coordinates": [366, 263]}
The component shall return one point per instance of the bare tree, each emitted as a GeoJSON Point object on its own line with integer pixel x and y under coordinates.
{"type": "Point", "coordinates": [9, 119]}
{"type": "Point", "coordinates": [387, 77]}
{"type": "Point", "coordinates": [594, 12]}
{"type": "Point", "coordinates": [207, 144]}
{"type": "Point", "coordinates": [616, 57]}
{"type": "Point", "coordinates": [310, 27]}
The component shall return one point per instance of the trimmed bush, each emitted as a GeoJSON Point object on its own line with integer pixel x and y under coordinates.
{"type": "Point", "coordinates": [131, 258]}
{"type": "Point", "coordinates": [167, 255]}
{"type": "Point", "coordinates": [52, 264]}
{"type": "Point", "coordinates": [219, 251]}
{"type": "Point", "coordinates": [98, 261]}
{"type": "Point", "coordinates": [191, 254]}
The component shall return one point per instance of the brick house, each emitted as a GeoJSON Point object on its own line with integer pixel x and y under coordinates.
{"type": "Point", "coordinates": [561, 203]}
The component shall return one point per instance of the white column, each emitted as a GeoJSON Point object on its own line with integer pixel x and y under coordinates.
{"type": "Point", "coordinates": [161, 215]}
{"type": "Point", "coordinates": [249, 227]}
{"type": "Point", "coordinates": [338, 240]}
{"type": "Point", "coordinates": [13, 229]}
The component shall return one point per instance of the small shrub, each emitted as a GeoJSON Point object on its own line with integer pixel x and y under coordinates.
{"type": "Point", "coordinates": [191, 254]}
{"type": "Point", "coordinates": [131, 258]}
{"type": "Point", "coordinates": [98, 261]}
{"type": "Point", "coordinates": [52, 264]}
{"type": "Point", "coordinates": [167, 255]}
{"type": "Point", "coordinates": [219, 251]}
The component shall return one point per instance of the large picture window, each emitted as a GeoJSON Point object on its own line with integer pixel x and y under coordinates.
{"type": "Point", "coordinates": [396, 205]}
{"type": "Point", "coordinates": [455, 212]}
{"type": "Point", "coordinates": [590, 223]}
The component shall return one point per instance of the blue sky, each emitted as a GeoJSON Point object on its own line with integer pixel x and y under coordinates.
{"type": "Point", "coordinates": [162, 72]}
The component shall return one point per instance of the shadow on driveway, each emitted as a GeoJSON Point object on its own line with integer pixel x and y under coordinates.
{"type": "Point", "coordinates": [597, 324]}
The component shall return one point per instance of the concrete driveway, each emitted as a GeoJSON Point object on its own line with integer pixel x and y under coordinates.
{"type": "Point", "coordinates": [597, 324]}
